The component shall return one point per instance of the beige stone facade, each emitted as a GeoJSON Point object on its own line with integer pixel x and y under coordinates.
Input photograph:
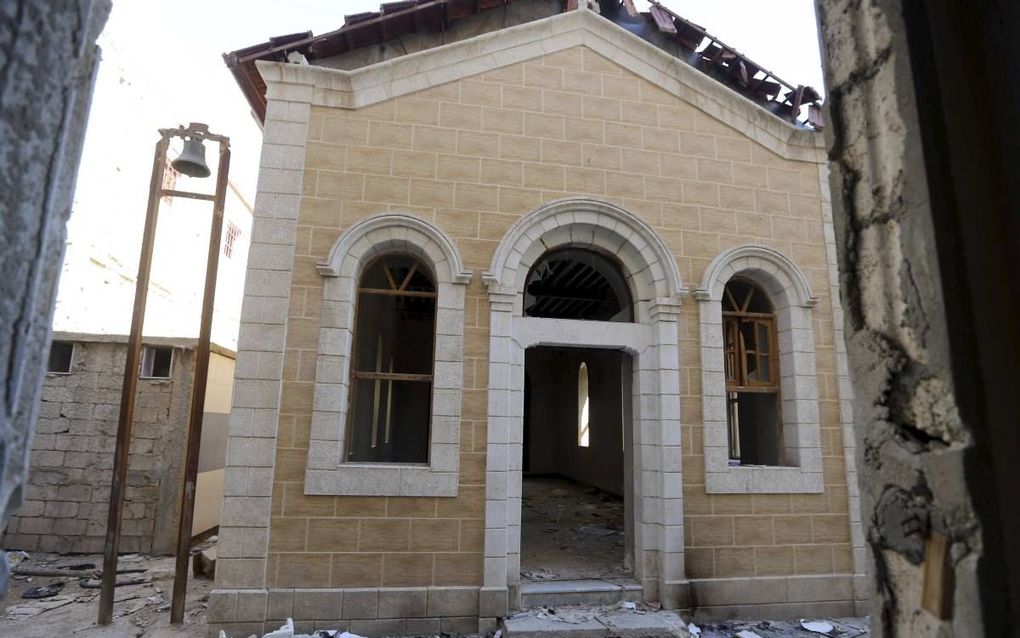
{"type": "Point", "coordinates": [553, 131]}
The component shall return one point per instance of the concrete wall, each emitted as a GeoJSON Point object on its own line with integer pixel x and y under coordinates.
{"type": "Point", "coordinates": [552, 421]}
{"type": "Point", "coordinates": [923, 139]}
{"type": "Point", "coordinates": [49, 58]}
{"type": "Point", "coordinates": [68, 489]}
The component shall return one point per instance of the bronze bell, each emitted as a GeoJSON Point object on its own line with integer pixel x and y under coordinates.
{"type": "Point", "coordinates": [191, 161]}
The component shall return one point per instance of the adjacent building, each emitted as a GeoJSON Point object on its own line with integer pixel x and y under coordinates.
{"type": "Point", "coordinates": [502, 244]}
{"type": "Point", "coordinates": [68, 490]}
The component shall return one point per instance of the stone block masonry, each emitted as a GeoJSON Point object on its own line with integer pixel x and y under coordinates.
{"type": "Point", "coordinates": [68, 490]}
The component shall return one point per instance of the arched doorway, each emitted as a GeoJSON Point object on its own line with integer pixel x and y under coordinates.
{"type": "Point", "coordinates": [540, 255]}
{"type": "Point", "coordinates": [574, 496]}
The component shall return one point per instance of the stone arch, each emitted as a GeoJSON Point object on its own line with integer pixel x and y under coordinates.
{"type": "Point", "coordinates": [792, 300]}
{"type": "Point", "coordinates": [328, 473]}
{"type": "Point", "coordinates": [649, 266]}
{"type": "Point", "coordinates": [780, 277]}
{"type": "Point", "coordinates": [393, 232]}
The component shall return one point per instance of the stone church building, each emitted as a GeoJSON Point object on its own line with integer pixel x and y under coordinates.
{"type": "Point", "coordinates": [512, 261]}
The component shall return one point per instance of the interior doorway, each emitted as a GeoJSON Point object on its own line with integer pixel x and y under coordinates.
{"type": "Point", "coordinates": [576, 496]}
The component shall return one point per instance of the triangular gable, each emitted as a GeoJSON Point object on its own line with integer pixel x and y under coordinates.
{"type": "Point", "coordinates": [433, 67]}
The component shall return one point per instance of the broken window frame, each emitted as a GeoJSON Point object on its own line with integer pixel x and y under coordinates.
{"type": "Point", "coordinates": [147, 362]}
{"type": "Point", "coordinates": [388, 377]}
{"type": "Point", "coordinates": [735, 314]}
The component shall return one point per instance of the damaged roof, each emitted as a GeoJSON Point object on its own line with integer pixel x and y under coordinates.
{"type": "Point", "coordinates": [798, 104]}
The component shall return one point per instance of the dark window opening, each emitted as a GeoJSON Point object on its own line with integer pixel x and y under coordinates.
{"type": "Point", "coordinates": [391, 376]}
{"type": "Point", "coordinates": [157, 362]}
{"type": "Point", "coordinates": [61, 355]}
{"type": "Point", "coordinates": [752, 375]}
{"type": "Point", "coordinates": [571, 283]}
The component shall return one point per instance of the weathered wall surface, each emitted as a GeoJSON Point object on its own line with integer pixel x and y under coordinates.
{"type": "Point", "coordinates": [912, 443]}
{"type": "Point", "coordinates": [68, 490]}
{"type": "Point", "coordinates": [47, 61]}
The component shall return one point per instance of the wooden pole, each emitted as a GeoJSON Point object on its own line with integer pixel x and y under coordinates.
{"type": "Point", "coordinates": [127, 397]}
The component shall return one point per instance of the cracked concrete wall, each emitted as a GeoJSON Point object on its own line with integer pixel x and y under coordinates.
{"type": "Point", "coordinates": [918, 458]}
{"type": "Point", "coordinates": [48, 59]}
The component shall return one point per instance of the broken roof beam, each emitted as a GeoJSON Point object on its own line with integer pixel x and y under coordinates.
{"type": "Point", "coordinates": [721, 55]}
{"type": "Point", "coordinates": [662, 19]}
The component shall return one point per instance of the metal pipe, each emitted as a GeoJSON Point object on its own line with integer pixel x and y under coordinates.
{"type": "Point", "coordinates": [187, 513]}
{"type": "Point", "coordinates": [127, 397]}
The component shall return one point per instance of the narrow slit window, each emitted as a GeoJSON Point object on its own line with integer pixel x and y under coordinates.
{"type": "Point", "coordinates": [751, 365]}
{"type": "Point", "coordinates": [391, 375]}
{"type": "Point", "coordinates": [157, 362]}
{"type": "Point", "coordinates": [60, 357]}
{"type": "Point", "coordinates": [583, 407]}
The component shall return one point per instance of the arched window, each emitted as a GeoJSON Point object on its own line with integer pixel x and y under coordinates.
{"type": "Point", "coordinates": [575, 283]}
{"type": "Point", "coordinates": [392, 371]}
{"type": "Point", "coordinates": [752, 375]}
{"type": "Point", "coordinates": [583, 406]}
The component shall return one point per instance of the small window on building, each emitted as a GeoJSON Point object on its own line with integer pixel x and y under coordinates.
{"type": "Point", "coordinates": [61, 356]}
{"type": "Point", "coordinates": [391, 376]}
{"type": "Point", "coordinates": [583, 406]}
{"type": "Point", "coordinates": [233, 233]}
{"type": "Point", "coordinates": [157, 362]}
{"type": "Point", "coordinates": [752, 375]}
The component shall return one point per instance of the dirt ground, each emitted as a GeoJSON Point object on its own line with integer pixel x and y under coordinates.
{"type": "Point", "coordinates": [570, 531]}
{"type": "Point", "coordinates": [139, 610]}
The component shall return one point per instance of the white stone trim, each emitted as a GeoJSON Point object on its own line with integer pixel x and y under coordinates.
{"type": "Point", "coordinates": [258, 376]}
{"type": "Point", "coordinates": [844, 389]}
{"type": "Point", "coordinates": [792, 299]}
{"type": "Point", "coordinates": [327, 472]}
{"type": "Point", "coordinates": [656, 474]}
{"type": "Point", "coordinates": [649, 267]}
{"type": "Point", "coordinates": [422, 70]}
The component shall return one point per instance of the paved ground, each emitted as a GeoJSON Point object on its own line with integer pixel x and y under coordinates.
{"type": "Point", "coordinates": [139, 610]}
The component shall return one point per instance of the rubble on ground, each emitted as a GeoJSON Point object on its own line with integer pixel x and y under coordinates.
{"type": "Point", "coordinates": [806, 628]}
{"type": "Point", "coordinates": [54, 593]}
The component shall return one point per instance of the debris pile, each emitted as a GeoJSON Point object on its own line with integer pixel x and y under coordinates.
{"type": "Point", "coordinates": [833, 628]}
{"type": "Point", "coordinates": [570, 531]}
{"type": "Point", "coordinates": [287, 631]}
{"type": "Point", "coordinates": [53, 591]}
